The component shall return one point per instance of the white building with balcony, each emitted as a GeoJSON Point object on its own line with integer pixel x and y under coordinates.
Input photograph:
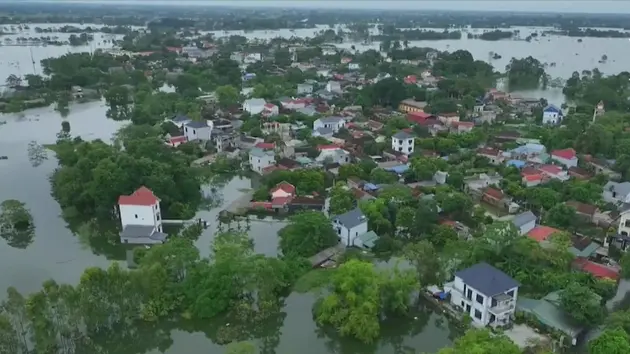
{"type": "Point", "coordinates": [485, 293]}
{"type": "Point", "coordinates": [403, 142]}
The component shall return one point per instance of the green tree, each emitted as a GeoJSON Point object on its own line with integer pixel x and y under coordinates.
{"type": "Point", "coordinates": [561, 216]}
{"type": "Point", "coordinates": [9, 340]}
{"type": "Point", "coordinates": [307, 234]}
{"type": "Point", "coordinates": [424, 258]}
{"type": "Point", "coordinates": [612, 341]}
{"type": "Point", "coordinates": [241, 348]}
{"type": "Point", "coordinates": [582, 304]}
{"type": "Point", "coordinates": [625, 266]}
{"type": "Point", "coordinates": [16, 224]}
{"type": "Point", "coordinates": [19, 329]}
{"type": "Point", "coordinates": [481, 341]}
{"type": "Point", "coordinates": [227, 96]}
{"type": "Point", "coordinates": [619, 319]}
{"type": "Point", "coordinates": [341, 199]}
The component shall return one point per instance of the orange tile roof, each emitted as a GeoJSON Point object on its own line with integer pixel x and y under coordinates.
{"type": "Point", "coordinates": [541, 233]}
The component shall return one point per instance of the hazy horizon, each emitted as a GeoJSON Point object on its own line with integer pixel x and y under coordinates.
{"type": "Point", "coordinates": [559, 6]}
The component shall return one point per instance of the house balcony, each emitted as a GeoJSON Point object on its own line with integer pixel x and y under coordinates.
{"type": "Point", "coordinates": [450, 287]}
{"type": "Point", "coordinates": [504, 303]}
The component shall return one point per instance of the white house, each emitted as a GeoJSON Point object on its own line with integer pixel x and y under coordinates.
{"type": "Point", "coordinates": [403, 142]}
{"type": "Point", "coordinates": [339, 156]}
{"type": "Point", "coordinates": [350, 225]}
{"type": "Point", "coordinates": [140, 217]}
{"type": "Point", "coordinates": [198, 130]}
{"type": "Point", "coordinates": [552, 115]}
{"type": "Point", "coordinates": [624, 221]}
{"type": "Point", "coordinates": [334, 123]}
{"type": "Point", "coordinates": [334, 86]}
{"type": "Point", "coordinates": [354, 66]}
{"type": "Point", "coordinates": [270, 110]}
{"type": "Point", "coordinates": [304, 89]}
{"type": "Point", "coordinates": [252, 58]}
{"type": "Point", "coordinates": [260, 159]}
{"type": "Point", "coordinates": [566, 157]}
{"type": "Point", "coordinates": [618, 193]}
{"type": "Point", "coordinates": [524, 222]}
{"type": "Point", "coordinates": [485, 293]}
{"type": "Point", "coordinates": [254, 105]}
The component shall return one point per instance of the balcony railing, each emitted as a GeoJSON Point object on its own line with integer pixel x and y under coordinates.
{"type": "Point", "coordinates": [502, 307]}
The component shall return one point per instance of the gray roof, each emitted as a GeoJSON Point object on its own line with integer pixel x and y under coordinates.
{"type": "Point", "coordinates": [331, 119]}
{"type": "Point", "coordinates": [487, 279]}
{"type": "Point", "coordinates": [197, 124]}
{"type": "Point", "coordinates": [352, 218]}
{"type": "Point", "coordinates": [622, 189]}
{"type": "Point", "coordinates": [142, 231]}
{"type": "Point", "coordinates": [260, 152]}
{"type": "Point", "coordinates": [523, 218]}
{"type": "Point", "coordinates": [180, 118]}
{"type": "Point", "coordinates": [402, 135]}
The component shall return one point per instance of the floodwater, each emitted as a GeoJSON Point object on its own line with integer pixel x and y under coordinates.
{"type": "Point", "coordinates": [56, 253]}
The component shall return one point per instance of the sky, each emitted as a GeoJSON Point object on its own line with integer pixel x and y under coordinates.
{"type": "Point", "coordinates": [583, 6]}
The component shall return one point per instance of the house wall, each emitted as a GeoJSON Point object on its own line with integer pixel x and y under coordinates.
{"type": "Point", "coordinates": [406, 146]}
{"type": "Point", "coordinates": [259, 163]}
{"type": "Point", "coordinates": [203, 134]}
{"type": "Point", "coordinates": [348, 236]}
{"type": "Point", "coordinates": [479, 303]}
{"type": "Point", "coordinates": [253, 109]}
{"type": "Point", "coordinates": [624, 224]}
{"type": "Point", "coordinates": [334, 126]}
{"type": "Point", "coordinates": [551, 118]}
{"type": "Point", "coordinates": [527, 227]}
{"type": "Point", "coordinates": [148, 215]}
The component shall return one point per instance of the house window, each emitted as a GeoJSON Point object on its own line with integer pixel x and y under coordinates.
{"type": "Point", "coordinates": [627, 223]}
{"type": "Point", "coordinates": [478, 314]}
{"type": "Point", "coordinates": [158, 216]}
{"type": "Point", "coordinates": [409, 149]}
{"type": "Point", "coordinates": [186, 129]}
{"type": "Point", "coordinates": [480, 299]}
{"type": "Point", "coordinates": [339, 231]}
{"type": "Point", "coordinates": [400, 142]}
{"type": "Point", "coordinates": [400, 148]}
{"type": "Point", "coordinates": [463, 304]}
{"type": "Point", "coordinates": [511, 293]}
{"type": "Point", "coordinates": [136, 215]}
{"type": "Point", "coordinates": [194, 132]}
{"type": "Point", "coordinates": [410, 142]}
{"type": "Point", "coordinates": [469, 295]}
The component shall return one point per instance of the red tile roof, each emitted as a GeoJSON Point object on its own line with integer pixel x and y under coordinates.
{"type": "Point", "coordinates": [142, 196]}
{"type": "Point", "coordinates": [449, 114]}
{"type": "Point", "coordinates": [551, 169]}
{"type": "Point", "coordinates": [541, 233]}
{"type": "Point", "coordinates": [266, 146]}
{"type": "Point", "coordinates": [532, 178]}
{"type": "Point", "coordinates": [494, 193]}
{"type": "Point", "coordinates": [285, 186]}
{"type": "Point", "coordinates": [529, 171]}
{"type": "Point", "coordinates": [177, 139]}
{"type": "Point", "coordinates": [564, 153]}
{"type": "Point", "coordinates": [596, 269]}
{"type": "Point", "coordinates": [281, 201]}
{"type": "Point", "coordinates": [411, 79]}
{"type": "Point", "coordinates": [418, 117]}
{"type": "Point", "coordinates": [270, 105]}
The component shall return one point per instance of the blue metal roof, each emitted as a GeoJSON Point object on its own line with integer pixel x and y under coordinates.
{"type": "Point", "coordinates": [398, 169]}
{"type": "Point", "coordinates": [370, 187]}
{"type": "Point", "coordinates": [552, 108]}
{"type": "Point", "coordinates": [516, 163]}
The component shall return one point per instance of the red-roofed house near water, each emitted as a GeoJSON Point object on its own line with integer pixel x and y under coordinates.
{"type": "Point", "coordinates": [141, 218]}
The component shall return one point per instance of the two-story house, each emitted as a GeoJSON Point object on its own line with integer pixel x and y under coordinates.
{"type": "Point", "coordinates": [485, 293]}
{"type": "Point", "coordinates": [332, 123]}
{"type": "Point", "coordinates": [403, 142]}
{"type": "Point", "coordinates": [410, 105]}
{"type": "Point", "coordinates": [618, 193]}
{"type": "Point", "coordinates": [566, 157]}
{"type": "Point", "coordinates": [350, 226]}
{"type": "Point", "coordinates": [140, 217]}
{"type": "Point", "coordinates": [254, 105]}
{"type": "Point", "coordinates": [304, 89]}
{"type": "Point", "coordinates": [198, 131]}
{"type": "Point", "coordinates": [260, 159]}
{"type": "Point", "coordinates": [334, 86]}
{"type": "Point", "coordinates": [552, 115]}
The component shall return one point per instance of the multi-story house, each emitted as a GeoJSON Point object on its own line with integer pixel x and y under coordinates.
{"type": "Point", "coordinates": [485, 293]}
